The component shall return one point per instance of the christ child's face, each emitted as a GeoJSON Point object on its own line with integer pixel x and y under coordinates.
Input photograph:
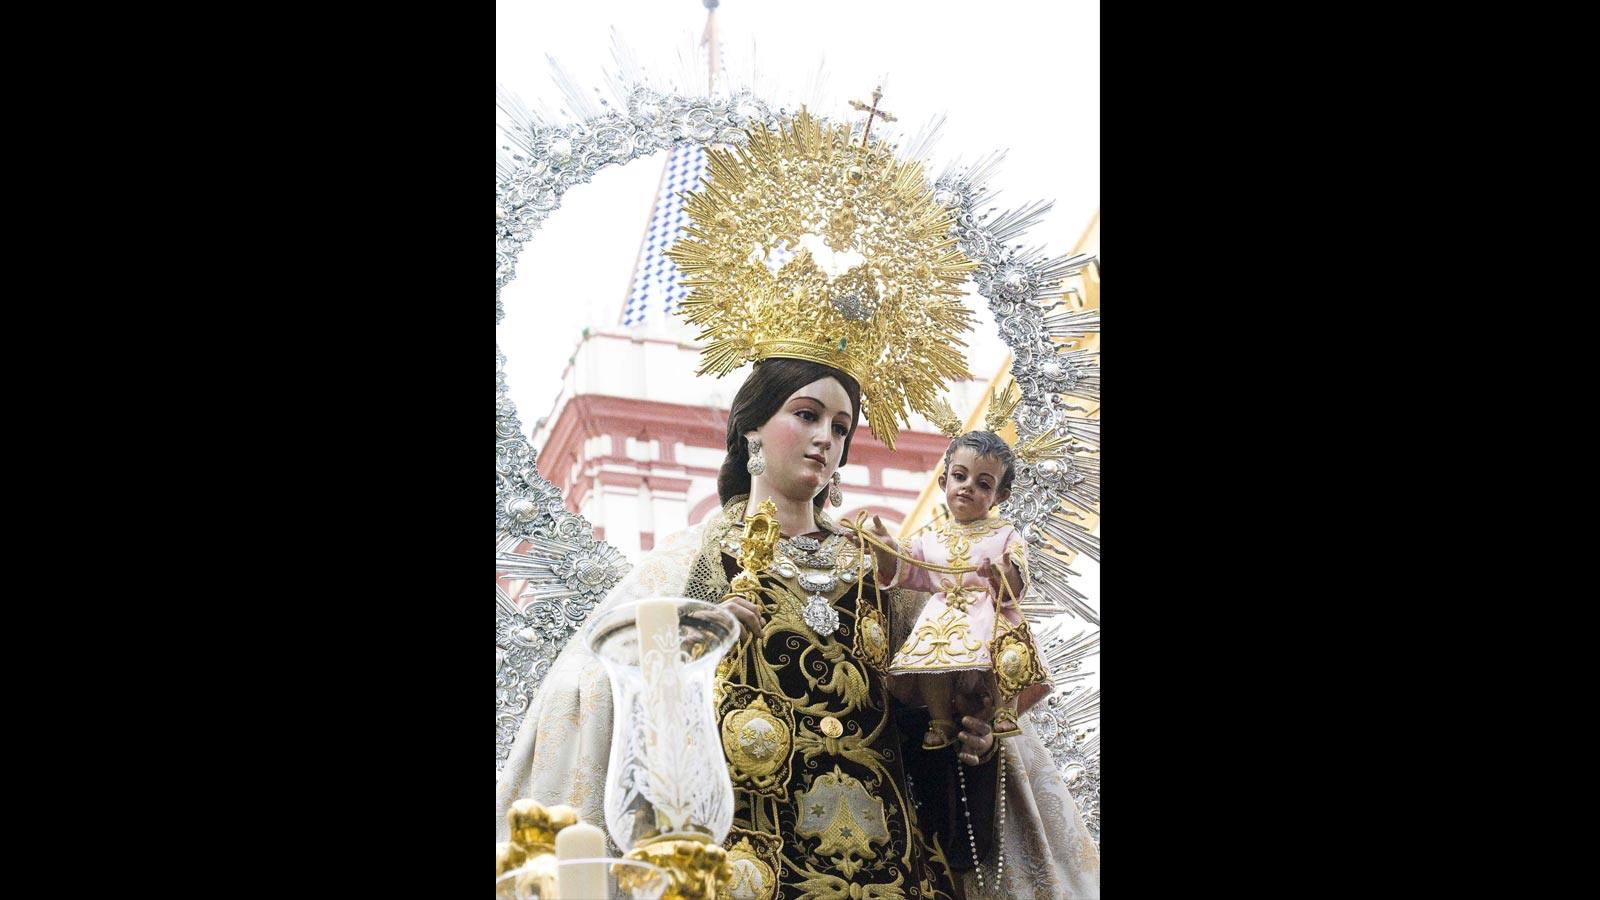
{"type": "Point", "coordinates": [972, 484]}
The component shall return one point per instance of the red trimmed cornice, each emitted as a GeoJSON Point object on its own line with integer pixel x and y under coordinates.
{"type": "Point", "coordinates": [591, 415]}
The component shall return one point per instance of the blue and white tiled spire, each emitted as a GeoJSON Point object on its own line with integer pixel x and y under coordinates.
{"type": "Point", "coordinates": [655, 292]}
{"type": "Point", "coordinates": [656, 289]}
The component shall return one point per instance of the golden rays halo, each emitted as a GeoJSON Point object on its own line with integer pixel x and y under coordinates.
{"type": "Point", "coordinates": [874, 287]}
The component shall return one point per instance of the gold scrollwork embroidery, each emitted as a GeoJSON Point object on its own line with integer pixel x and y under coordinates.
{"type": "Point", "coordinates": [830, 694]}
{"type": "Point", "coordinates": [943, 643]}
{"type": "Point", "coordinates": [957, 540]}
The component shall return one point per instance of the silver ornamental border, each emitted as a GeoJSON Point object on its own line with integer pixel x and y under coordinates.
{"type": "Point", "coordinates": [568, 571]}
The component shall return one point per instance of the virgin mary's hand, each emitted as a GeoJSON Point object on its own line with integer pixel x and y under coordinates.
{"type": "Point", "coordinates": [977, 739]}
{"type": "Point", "coordinates": [887, 564]}
{"type": "Point", "coordinates": [977, 735]}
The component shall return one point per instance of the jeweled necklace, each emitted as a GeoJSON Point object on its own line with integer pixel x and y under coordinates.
{"type": "Point", "coordinates": [815, 566]}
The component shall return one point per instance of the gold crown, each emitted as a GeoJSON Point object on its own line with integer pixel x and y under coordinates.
{"type": "Point", "coordinates": [874, 289]}
{"type": "Point", "coordinates": [1048, 445]}
{"type": "Point", "coordinates": [1000, 408]}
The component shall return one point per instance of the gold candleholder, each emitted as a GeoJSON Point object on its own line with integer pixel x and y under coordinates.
{"type": "Point", "coordinates": [696, 867]}
{"type": "Point", "coordinates": [534, 826]}
{"type": "Point", "coordinates": [533, 844]}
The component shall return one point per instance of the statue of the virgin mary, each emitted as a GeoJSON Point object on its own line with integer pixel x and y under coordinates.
{"type": "Point", "coordinates": [835, 797]}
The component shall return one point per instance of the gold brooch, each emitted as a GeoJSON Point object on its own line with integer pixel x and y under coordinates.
{"type": "Point", "coordinates": [1015, 664]}
{"type": "Point", "coordinates": [758, 738]}
{"type": "Point", "coordinates": [872, 637]}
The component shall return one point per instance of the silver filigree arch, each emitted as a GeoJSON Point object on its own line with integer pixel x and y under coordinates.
{"type": "Point", "coordinates": [568, 571]}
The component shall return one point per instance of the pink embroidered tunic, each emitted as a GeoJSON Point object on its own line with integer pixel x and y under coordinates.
{"type": "Point", "coordinates": [955, 628]}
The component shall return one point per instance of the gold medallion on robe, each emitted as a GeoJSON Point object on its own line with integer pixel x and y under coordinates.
{"type": "Point", "coordinates": [757, 737]}
{"type": "Point", "coordinates": [846, 816]}
{"type": "Point", "coordinates": [754, 858]}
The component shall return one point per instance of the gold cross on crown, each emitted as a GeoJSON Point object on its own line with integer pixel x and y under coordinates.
{"type": "Point", "coordinates": [871, 111]}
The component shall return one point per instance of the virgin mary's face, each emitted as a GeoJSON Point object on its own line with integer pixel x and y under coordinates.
{"type": "Point", "coordinates": [804, 439]}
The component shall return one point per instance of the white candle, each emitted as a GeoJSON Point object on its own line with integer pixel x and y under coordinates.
{"type": "Point", "coordinates": [586, 881]}
{"type": "Point", "coordinates": [657, 622]}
